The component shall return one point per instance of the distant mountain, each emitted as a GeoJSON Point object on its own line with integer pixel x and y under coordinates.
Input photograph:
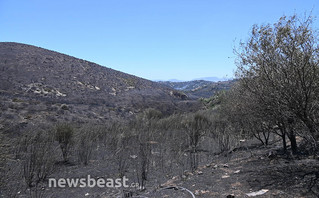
{"type": "Point", "coordinates": [212, 79]}
{"type": "Point", "coordinates": [39, 84]}
{"type": "Point", "coordinates": [200, 88]}
{"type": "Point", "coordinates": [175, 80]}
{"type": "Point", "coordinates": [186, 85]}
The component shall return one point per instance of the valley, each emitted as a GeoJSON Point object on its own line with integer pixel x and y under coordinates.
{"type": "Point", "coordinates": [63, 117]}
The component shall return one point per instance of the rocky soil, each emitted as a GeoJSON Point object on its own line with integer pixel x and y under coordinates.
{"type": "Point", "coordinates": [246, 172]}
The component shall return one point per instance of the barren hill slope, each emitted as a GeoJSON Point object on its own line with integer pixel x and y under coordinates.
{"type": "Point", "coordinates": [37, 80]}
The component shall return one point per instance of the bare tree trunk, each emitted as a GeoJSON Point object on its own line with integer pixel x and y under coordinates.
{"type": "Point", "coordinates": [293, 142]}
{"type": "Point", "coordinates": [266, 137]}
{"type": "Point", "coordinates": [284, 143]}
{"type": "Point", "coordinates": [282, 134]}
{"type": "Point", "coordinates": [311, 128]}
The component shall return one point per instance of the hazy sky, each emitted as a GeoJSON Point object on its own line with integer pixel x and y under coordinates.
{"type": "Point", "coordinates": [154, 39]}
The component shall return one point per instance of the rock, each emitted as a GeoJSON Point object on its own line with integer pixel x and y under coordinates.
{"type": "Point", "coordinates": [260, 192]}
{"type": "Point", "coordinates": [225, 176]}
{"type": "Point", "coordinates": [199, 172]}
{"type": "Point", "coordinates": [187, 173]}
{"type": "Point", "coordinates": [133, 156]}
{"type": "Point", "coordinates": [230, 196]}
{"type": "Point", "coordinates": [237, 171]}
{"type": "Point", "coordinates": [204, 192]}
{"type": "Point", "coordinates": [197, 192]}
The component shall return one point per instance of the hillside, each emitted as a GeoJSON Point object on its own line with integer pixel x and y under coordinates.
{"type": "Point", "coordinates": [200, 88]}
{"type": "Point", "coordinates": [78, 120]}
{"type": "Point", "coordinates": [39, 84]}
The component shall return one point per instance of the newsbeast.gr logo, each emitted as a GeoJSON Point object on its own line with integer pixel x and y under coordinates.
{"type": "Point", "coordinates": [90, 182]}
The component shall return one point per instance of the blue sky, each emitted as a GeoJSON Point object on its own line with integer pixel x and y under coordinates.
{"type": "Point", "coordinates": [153, 39]}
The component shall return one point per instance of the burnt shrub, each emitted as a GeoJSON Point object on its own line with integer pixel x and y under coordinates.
{"type": "Point", "coordinates": [64, 134]}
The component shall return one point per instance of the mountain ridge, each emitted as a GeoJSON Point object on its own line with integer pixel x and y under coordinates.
{"type": "Point", "coordinates": [200, 88]}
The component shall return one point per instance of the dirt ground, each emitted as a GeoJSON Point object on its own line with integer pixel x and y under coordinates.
{"type": "Point", "coordinates": [249, 170]}
{"type": "Point", "coordinates": [243, 171]}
